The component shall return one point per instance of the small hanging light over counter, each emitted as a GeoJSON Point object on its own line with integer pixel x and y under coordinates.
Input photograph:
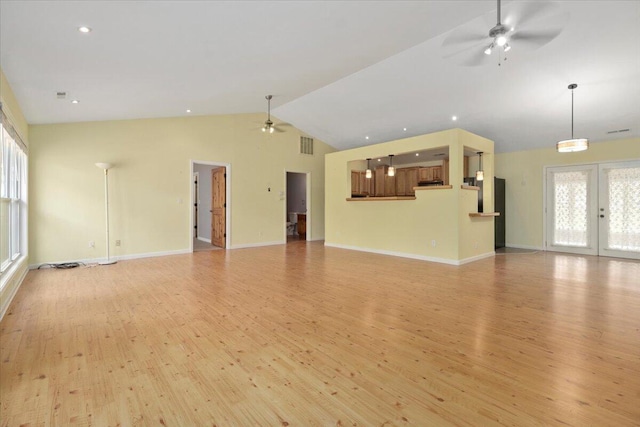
{"type": "Point", "coordinates": [480, 171]}
{"type": "Point", "coordinates": [368, 173]}
{"type": "Point", "coordinates": [392, 170]}
{"type": "Point", "coordinates": [573, 144]}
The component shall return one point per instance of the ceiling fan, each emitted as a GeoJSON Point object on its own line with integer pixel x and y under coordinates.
{"type": "Point", "coordinates": [269, 126]}
{"type": "Point", "coordinates": [527, 26]}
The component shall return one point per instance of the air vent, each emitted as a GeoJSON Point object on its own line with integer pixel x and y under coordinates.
{"type": "Point", "coordinates": [61, 95]}
{"type": "Point", "coordinates": [306, 145]}
{"type": "Point", "coordinates": [618, 131]}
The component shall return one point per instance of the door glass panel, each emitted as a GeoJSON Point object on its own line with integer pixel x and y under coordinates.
{"type": "Point", "coordinates": [571, 221]}
{"type": "Point", "coordinates": [624, 209]}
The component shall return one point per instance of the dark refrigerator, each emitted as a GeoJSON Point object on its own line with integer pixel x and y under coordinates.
{"type": "Point", "coordinates": [499, 195]}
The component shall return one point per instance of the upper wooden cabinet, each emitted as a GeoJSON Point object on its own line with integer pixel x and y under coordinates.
{"type": "Point", "coordinates": [361, 185]}
{"type": "Point", "coordinates": [436, 173]}
{"type": "Point", "coordinates": [385, 185]}
{"type": "Point", "coordinates": [355, 183]}
{"type": "Point", "coordinates": [430, 173]}
{"type": "Point", "coordinates": [406, 179]}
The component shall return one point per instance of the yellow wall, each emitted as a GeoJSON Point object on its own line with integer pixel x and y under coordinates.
{"type": "Point", "coordinates": [150, 183]}
{"type": "Point", "coordinates": [524, 175]}
{"type": "Point", "coordinates": [12, 278]}
{"type": "Point", "coordinates": [408, 228]}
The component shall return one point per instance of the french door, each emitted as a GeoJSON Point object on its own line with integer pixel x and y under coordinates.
{"type": "Point", "coordinates": [594, 209]}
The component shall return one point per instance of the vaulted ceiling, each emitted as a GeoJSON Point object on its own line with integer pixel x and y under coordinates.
{"type": "Point", "coordinates": [341, 71]}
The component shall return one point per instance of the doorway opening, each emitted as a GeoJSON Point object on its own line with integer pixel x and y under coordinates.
{"type": "Point", "coordinates": [210, 203]}
{"type": "Point", "coordinates": [593, 209]}
{"type": "Point", "coordinates": [297, 219]}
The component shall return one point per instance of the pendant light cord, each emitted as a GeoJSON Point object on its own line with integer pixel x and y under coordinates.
{"type": "Point", "coordinates": [571, 113]}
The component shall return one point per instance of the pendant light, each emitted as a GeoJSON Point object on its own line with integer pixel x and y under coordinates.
{"type": "Point", "coordinates": [368, 173]}
{"type": "Point", "coordinates": [480, 172]}
{"type": "Point", "coordinates": [573, 144]}
{"type": "Point", "coordinates": [392, 170]}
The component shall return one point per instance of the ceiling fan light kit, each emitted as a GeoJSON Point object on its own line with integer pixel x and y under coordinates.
{"type": "Point", "coordinates": [574, 144]}
{"type": "Point", "coordinates": [499, 36]}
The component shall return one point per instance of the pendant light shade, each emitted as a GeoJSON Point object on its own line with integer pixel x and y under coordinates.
{"type": "Point", "coordinates": [368, 174]}
{"type": "Point", "coordinates": [392, 170]}
{"type": "Point", "coordinates": [480, 171]}
{"type": "Point", "coordinates": [574, 144]}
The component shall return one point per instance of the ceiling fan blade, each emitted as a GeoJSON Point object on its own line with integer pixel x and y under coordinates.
{"type": "Point", "coordinates": [458, 38]}
{"type": "Point", "coordinates": [535, 38]}
{"type": "Point", "coordinates": [475, 59]}
{"type": "Point", "coordinates": [471, 32]}
{"type": "Point", "coordinates": [467, 55]}
{"type": "Point", "coordinates": [530, 13]}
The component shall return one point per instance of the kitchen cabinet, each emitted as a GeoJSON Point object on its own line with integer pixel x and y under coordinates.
{"type": "Point", "coordinates": [367, 185]}
{"type": "Point", "coordinates": [430, 173]}
{"type": "Point", "coordinates": [401, 181]}
{"type": "Point", "coordinates": [385, 185]}
{"type": "Point", "coordinates": [380, 173]}
{"type": "Point", "coordinates": [355, 183]}
{"type": "Point", "coordinates": [361, 186]}
{"type": "Point", "coordinates": [436, 173]}
{"type": "Point", "coordinates": [406, 179]}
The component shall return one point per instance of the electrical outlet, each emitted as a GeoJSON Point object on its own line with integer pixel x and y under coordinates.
{"type": "Point", "coordinates": [118, 242]}
{"type": "Point", "coordinates": [433, 243]}
{"type": "Point", "coordinates": [92, 244]}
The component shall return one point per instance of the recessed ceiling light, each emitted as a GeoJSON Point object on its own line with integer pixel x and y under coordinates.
{"type": "Point", "coordinates": [188, 111]}
{"type": "Point", "coordinates": [417, 154]}
{"type": "Point", "coordinates": [454, 118]}
{"type": "Point", "coordinates": [75, 101]}
{"type": "Point", "coordinates": [366, 137]}
{"type": "Point", "coordinates": [379, 160]}
{"type": "Point", "coordinates": [404, 129]}
{"type": "Point", "coordinates": [84, 29]}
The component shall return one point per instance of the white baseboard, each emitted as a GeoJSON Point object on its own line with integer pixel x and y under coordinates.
{"type": "Point", "coordinates": [17, 283]}
{"type": "Point", "coordinates": [477, 258]}
{"type": "Point", "coordinates": [204, 239]}
{"type": "Point", "coordinates": [257, 245]}
{"type": "Point", "coordinates": [413, 256]}
{"type": "Point", "coordinates": [117, 258]}
{"type": "Point", "coordinates": [319, 239]}
{"type": "Point", "coordinates": [534, 248]}
{"type": "Point", "coordinates": [392, 253]}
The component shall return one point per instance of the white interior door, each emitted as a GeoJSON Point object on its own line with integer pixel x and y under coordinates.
{"type": "Point", "coordinates": [572, 210]}
{"type": "Point", "coordinates": [619, 210]}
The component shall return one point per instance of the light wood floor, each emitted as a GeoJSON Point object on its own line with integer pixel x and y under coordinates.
{"type": "Point", "coordinates": [302, 335]}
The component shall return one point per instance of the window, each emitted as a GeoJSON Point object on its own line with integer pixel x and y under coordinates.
{"type": "Point", "coordinates": [13, 204]}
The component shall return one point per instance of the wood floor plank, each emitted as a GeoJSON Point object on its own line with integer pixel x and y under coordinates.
{"type": "Point", "coordinates": [305, 335]}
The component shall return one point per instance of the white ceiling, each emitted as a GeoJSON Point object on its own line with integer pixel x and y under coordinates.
{"type": "Point", "coordinates": [339, 70]}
